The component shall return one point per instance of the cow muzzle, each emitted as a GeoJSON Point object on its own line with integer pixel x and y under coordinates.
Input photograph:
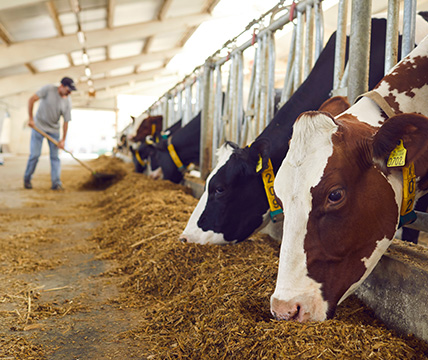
{"type": "Point", "coordinates": [295, 310]}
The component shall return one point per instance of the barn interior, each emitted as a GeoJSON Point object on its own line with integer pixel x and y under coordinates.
{"type": "Point", "coordinates": [98, 273]}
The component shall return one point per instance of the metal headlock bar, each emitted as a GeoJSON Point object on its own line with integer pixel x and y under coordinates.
{"type": "Point", "coordinates": [294, 73]}
{"type": "Point", "coordinates": [352, 80]}
{"type": "Point", "coordinates": [421, 222]}
{"type": "Point", "coordinates": [223, 117]}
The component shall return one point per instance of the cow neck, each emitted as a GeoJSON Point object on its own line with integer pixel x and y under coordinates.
{"type": "Point", "coordinates": [268, 177]}
{"type": "Point", "coordinates": [397, 158]}
{"type": "Point", "coordinates": [139, 159]}
{"type": "Point", "coordinates": [380, 101]}
{"type": "Point", "coordinates": [185, 143]}
{"type": "Point", "coordinates": [174, 156]}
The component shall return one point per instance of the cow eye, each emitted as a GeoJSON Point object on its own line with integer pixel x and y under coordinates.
{"type": "Point", "coordinates": [336, 195]}
{"type": "Point", "coordinates": [219, 190]}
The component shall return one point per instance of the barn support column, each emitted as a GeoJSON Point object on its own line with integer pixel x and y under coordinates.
{"type": "Point", "coordinates": [359, 48]}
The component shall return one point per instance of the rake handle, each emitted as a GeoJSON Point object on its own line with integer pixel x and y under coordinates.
{"type": "Point", "coordinates": [51, 139]}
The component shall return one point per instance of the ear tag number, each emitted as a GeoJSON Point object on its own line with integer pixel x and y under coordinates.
{"type": "Point", "coordinates": [259, 164]}
{"type": "Point", "coordinates": [397, 156]}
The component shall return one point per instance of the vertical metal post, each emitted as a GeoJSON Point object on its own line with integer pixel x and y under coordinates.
{"type": "Point", "coordinates": [188, 97]}
{"type": "Point", "coordinates": [250, 110]}
{"type": "Point", "coordinates": [165, 111]}
{"type": "Point", "coordinates": [319, 29]}
{"type": "Point", "coordinates": [309, 41]}
{"type": "Point", "coordinates": [217, 113]}
{"type": "Point", "coordinates": [409, 22]}
{"type": "Point", "coordinates": [206, 123]}
{"type": "Point", "coordinates": [258, 85]}
{"type": "Point", "coordinates": [198, 95]}
{"type": "Point", "coordinates": [240, 99]}
{"type": "Point", "coordinates": [179, 114]}
{"type": "Point", "coordinates": [359, 49]}
{"type": "Point", "coordinates": [271, 78]}
{"type": "Point", "coordinates": [298, 50]}
{"type": "Point", "coordinates": [171, 109]}
{"type": "Point", "coordinates": [391, 45]}
{"type": "Point", "coordinates": [340, 49]}
{"type": "Point", "coordinates": [232, 93]}
{"type": "Point", "coordinates": [288, 81]}
{"type": "Point", "coordinates": [263, 85]}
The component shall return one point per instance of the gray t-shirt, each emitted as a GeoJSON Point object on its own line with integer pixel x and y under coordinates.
{"type": "Point", "coordinates": [51, 107]}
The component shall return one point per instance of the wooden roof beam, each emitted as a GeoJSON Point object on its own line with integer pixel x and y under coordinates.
{"type": "Point", "coordinates": [27, 51]}
{"type": "Point", "coordinates": [4, 35]}
{"type": "Point", "coordinates": [110, 13]}
{"type": "Point", "coordinates": [25, 82]}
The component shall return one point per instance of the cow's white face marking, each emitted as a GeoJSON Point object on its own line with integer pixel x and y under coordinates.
{"type": "Point", "coordinates": [302, 169]}
{"type": "Point", "coordinates": [193, 233]}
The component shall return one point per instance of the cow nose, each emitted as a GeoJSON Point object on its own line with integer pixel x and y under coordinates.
{"type": "Point", "coordinates": [183, 238]}
{"type": "Point", "coordinates": [285, 310]}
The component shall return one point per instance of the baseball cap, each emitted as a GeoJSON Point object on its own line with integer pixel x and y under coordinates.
{"type": "Point", "coordinates": [66, 81]}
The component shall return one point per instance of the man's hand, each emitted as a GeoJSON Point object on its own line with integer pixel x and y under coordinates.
{"type": "Point", "coordinates": [31, 123]}
{"type": "Point", "coordinates": [61, 144]}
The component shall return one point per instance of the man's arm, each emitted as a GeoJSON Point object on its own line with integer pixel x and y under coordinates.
{"type": "Point", "coordinates": [31, 102]}
{"type": "Point", "coordinates": [61, 143]}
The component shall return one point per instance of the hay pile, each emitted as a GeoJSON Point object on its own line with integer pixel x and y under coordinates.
{"type": "Point", "coordinates": [212, 302]}
{"type": "Point", "coordinates": [103, 165]}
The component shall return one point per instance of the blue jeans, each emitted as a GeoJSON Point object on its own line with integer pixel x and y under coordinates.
{"type": "Point", "coordinates": [35, 151]}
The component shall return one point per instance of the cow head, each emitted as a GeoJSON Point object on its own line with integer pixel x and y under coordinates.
{"type": "Point", "coordinates": [222, 215]}
{"type": "Point", "coordinates": [148, 126]}
{"type": "Point", "coordinates": [341, 207]}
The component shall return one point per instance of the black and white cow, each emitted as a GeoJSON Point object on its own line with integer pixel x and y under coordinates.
{"type": "Point", "coordinates": [145, 149]}
{"type": "Point", "coordinates": [234, 204]}
{"type": "Point", "coordinates": [186, 144]}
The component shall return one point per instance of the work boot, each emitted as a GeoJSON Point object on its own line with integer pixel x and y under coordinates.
{"type": "Point", "coordinates": [57, 187]}
{"type": "Point", "coordinates": [27, 184]}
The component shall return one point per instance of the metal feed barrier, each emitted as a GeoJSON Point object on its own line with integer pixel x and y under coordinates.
{"type": "Point", "coordinates": [228, 116]}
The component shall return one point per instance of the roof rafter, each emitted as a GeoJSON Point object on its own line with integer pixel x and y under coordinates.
{"type": "Point", "coordinates": [7, 4]}
{"type": "Point", "coordinates": [27, 51]}
{"type": "Point", "coordinates": [4, 35]}
{"type": "Point", "coordinates": [30, 82]}
{"type": "Point", "coordinates": [110, 13]}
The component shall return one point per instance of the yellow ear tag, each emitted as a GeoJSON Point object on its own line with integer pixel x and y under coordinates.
{"type": "Point", "coordinates": [398, 156]}
{"type": "Point", "coordinates": [259, 164]}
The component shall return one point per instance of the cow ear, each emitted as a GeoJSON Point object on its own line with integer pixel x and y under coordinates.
{"type": "Point", "coordinates": [260, 150]}
{"type": "Point", "coordinates": [407, 130]}
{"type": "Point", "coordinates": [335, 105]}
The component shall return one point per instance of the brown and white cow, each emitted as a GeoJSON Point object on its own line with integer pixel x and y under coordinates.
{"type": "Point", "coordinates": [341, 202]}
{"type": "Point", "coordinates": [148, 126]}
